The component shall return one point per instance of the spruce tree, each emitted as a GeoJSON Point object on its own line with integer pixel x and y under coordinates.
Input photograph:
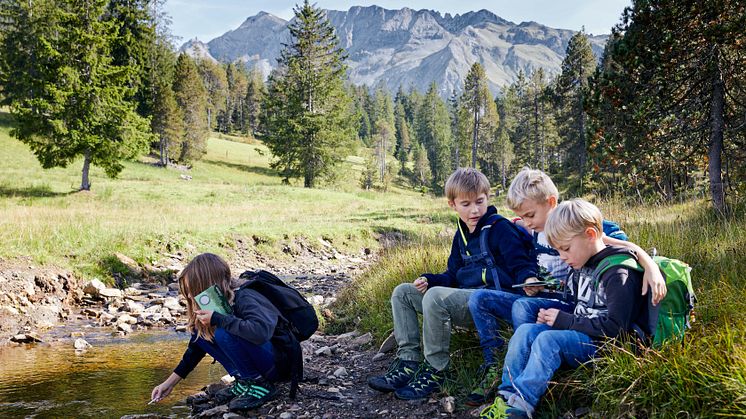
{"type": "Point", "coordinates": [216, 84]}
{"type": "Point", "coordinates": [191, 97]}
{"type": "Point", "coordinates": [255, 92]}
{"type": "Point", "coordinates": [572, 87]}
{"type": "Point", "coordinates": [434, 133]}
{"type": "Point", "coordinates": [478, 115]}
{"type": "Point", "coordinates": [308, 117]}
{"type": "Point", "coordinates": [673, 86]}
{"type": "Point", "coordinates": [68, 97]}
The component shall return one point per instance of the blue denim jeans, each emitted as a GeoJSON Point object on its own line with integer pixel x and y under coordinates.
{"type": "Point", "coordinates": [526, 309]}
{"type": "Point", "coordinates": [239, 357]}
{"type": "Point", "coordinates": [535, 352]}
{"type": "Point", "coordinates": [487, 308]}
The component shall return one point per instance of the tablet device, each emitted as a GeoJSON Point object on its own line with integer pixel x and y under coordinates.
{"type": "Point", "coordinates": [212, 299]}
{"type": "Point", "coordinates": [550, 283]}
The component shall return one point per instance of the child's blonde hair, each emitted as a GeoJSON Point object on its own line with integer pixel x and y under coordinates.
{"type": "Point", "coordinates": [571, 218]}
{"type": "Point", "coordinates": [530, 184]}
{"type": "Point", "coordinates": [466, 181]}
{"type": "Point", "coordinates": [202, 272]}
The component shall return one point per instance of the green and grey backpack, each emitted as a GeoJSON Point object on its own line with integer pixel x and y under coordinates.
{"type": "Point", "coordinates": [675, 311]}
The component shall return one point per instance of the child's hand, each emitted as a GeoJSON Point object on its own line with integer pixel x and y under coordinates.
{"type": "Point", "coordinates": [531, 291]}
{"type": "Point", "coordinates": [547, 316]}
{"type": "Point", "coordinates": [204, 316]}
{"type": "Point", "coordinates": [421, 284]}
{"type": "Point", "coordinates": [160, 392]}
{"type": "Point", "coordinates": [653, 279]}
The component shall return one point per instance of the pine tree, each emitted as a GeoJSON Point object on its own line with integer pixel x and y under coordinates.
{"type": "Point", "coordinates": [434, 133]}
{"type": "Point", "coordinates": [68, 97]}
{"type": "Point", "coordinates": [572, 87]}
{"type": "Point", "coordinates": [478, 115]}
{"type": "Point", "coordinates": [216, 84]}
{"type": "Point", "coordinates": [308, 114]}
{"type": "Point", "coordinates": [191, 97]}
{"type": "Point", "coordinates": [674, 81]}
{"type": "Point", "coordinates": [167, 124]}
{"type": "Point", "coordinates": [255, 92]}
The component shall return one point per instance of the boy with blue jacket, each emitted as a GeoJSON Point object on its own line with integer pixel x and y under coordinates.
{"type": "Point", "coordinates": [488, 251]}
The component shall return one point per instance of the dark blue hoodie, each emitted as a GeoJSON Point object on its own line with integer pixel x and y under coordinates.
{"type": "Point", "coordinates": [510, 249]}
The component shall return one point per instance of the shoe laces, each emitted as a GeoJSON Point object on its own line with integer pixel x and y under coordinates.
{"type": "Point", "coordinates": [497, 410]}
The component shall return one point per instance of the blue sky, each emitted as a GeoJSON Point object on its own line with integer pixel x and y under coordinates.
{"type": "Point", "coordinates": [208, 19]}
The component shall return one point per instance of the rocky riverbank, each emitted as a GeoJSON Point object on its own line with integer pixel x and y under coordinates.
{"type": "Point", "coordinates": [336, 366]}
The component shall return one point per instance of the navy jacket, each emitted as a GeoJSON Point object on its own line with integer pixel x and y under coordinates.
{"type": "Point", "coordinates": [512, 253]}
{"type": "Point", "coordinates": [254, 319]}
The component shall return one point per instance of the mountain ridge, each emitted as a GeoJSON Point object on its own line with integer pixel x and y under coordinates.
{"type": "Point", "coordinates": [407, 47]}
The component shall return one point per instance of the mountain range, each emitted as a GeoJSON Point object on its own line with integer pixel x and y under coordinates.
{"type": "Point", "coordinates": [408, 48]}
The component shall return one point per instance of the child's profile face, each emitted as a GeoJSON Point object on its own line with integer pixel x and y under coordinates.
{"type": "Point", "coordinates": [470, 208]}
{"type": "Point", "coordinates": [577, 250]}
{"type": "Point", "coordinates": [534, 214]}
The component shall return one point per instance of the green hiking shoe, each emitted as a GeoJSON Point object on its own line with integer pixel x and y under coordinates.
{"type": "Point", "coordinates": [499, 409]}
{"type": "Point", "coordinates": [426, 382]}
{"type": "Point", "coordinates": [486, 388]}
{"type": "Point", "coordinates": [399, 374]}
{"type": "Point", "coordinates": [253, 393]}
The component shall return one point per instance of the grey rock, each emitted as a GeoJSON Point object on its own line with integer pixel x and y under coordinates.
{"type": "Point", "coordinates": [286, 415]}
{"type": "Point", "coordinates": [126, 318]}
{"type": "Point", "coordinates": [448, 404]}
{"type": "Point", "coordinates": [347, 336]}
{"type": "Point", "coordinates": [388, 345]}
{"type": "Point", "coordinates": [110, 293]}
{"type": "Point", "coordinates": [26, 338]}
{"type": "Point", "coordinates": [324, 350]}
{"type": "Point", "coordinates": [81, 344]}
{"type": "Point", "coordinates": [124, 327]}
{"type": "Point", "coordinates": [93, 287]}
{"type": "Point", "coordinates": [340, 372]}
{"type": "Point", "coordinates": [133, 307]}
{"type": "Point", "coordinates": [363, 339]}
{"type": "Point", "coordinates": [379, 356]}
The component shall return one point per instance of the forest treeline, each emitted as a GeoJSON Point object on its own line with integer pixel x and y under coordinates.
{"type": "Point", "coordinates": [661, 114]}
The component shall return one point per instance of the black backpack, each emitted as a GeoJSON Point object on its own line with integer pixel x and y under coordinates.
{"type": "Point", "coordinates": [298, 314]}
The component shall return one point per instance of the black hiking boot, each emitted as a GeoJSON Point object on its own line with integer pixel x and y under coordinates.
{"type": "Point", "coordinates": [252, 394]}
{"type": "Point", "coordinates": [426, 382]}
{"type": "Point", "coordinates": [399, 374]}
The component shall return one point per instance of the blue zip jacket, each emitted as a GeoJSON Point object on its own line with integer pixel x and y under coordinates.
{"type": "Point", "coordinates": [512, 253]}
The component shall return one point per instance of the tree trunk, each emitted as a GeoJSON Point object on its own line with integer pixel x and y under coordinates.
{"type": "Point", "coordinates": [164, 151]}
{"type": "Point", "coordinates": [85, 184]}
{"type": "Point", "coordinates": [715, 152]}
{"type": "Point", "coordinates": [475, 138]}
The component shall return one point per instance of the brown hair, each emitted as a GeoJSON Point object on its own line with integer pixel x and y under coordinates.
{"type": "Point", "coordinates": [466, 181]}
{"type": "Point", "coordinates": [202, 272]}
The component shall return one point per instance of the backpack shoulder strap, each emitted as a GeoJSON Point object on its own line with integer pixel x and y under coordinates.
{"type": "Point", "coordinates": [609, 262]}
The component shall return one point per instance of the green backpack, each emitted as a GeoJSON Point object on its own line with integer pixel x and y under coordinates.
{"type": "Point", "coordinates": [675, 309]}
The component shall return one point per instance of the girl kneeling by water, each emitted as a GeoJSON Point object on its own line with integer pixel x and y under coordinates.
{"type": "Point", "coordinates": [242, 341]}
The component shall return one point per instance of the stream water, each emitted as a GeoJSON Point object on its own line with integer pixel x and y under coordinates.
{"type": "Point", "coordinates": [111, 379]}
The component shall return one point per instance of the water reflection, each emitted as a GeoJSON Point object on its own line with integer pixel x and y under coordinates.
{"type": "Point", "coordinates": [112, 379]}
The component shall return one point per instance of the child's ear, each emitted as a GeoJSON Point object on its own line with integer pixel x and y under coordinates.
{"type": "Point", "coordinates": [591, 233]}
{"type": "Point", "coordinates": [451, 204]}
{"type": "Point", "coordinates": [552, 201]}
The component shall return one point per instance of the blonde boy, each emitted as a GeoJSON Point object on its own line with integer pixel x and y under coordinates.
{"type": "Point", "coordinates": [488, 251]}
{"type": "Point", "coordinates": [608, 308]}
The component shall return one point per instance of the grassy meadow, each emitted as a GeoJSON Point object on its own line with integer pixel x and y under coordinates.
{"type": "Point", "coordinates": [232, 194]}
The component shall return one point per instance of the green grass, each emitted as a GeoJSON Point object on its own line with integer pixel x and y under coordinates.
{"type": "Point", "coordinates": [233, 194]}
{"type": "Point", "coordinates": [705, 376]}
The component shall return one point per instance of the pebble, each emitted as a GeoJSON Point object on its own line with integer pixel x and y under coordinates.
{"type": "Point", "coordinates": [340, 372]}
{"type": "Point", "coordinates": [324, 350]}
{"type": "Point", "coordinates": [286, 415]}
{"type": "Point", "coordinates": [81, 344]}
